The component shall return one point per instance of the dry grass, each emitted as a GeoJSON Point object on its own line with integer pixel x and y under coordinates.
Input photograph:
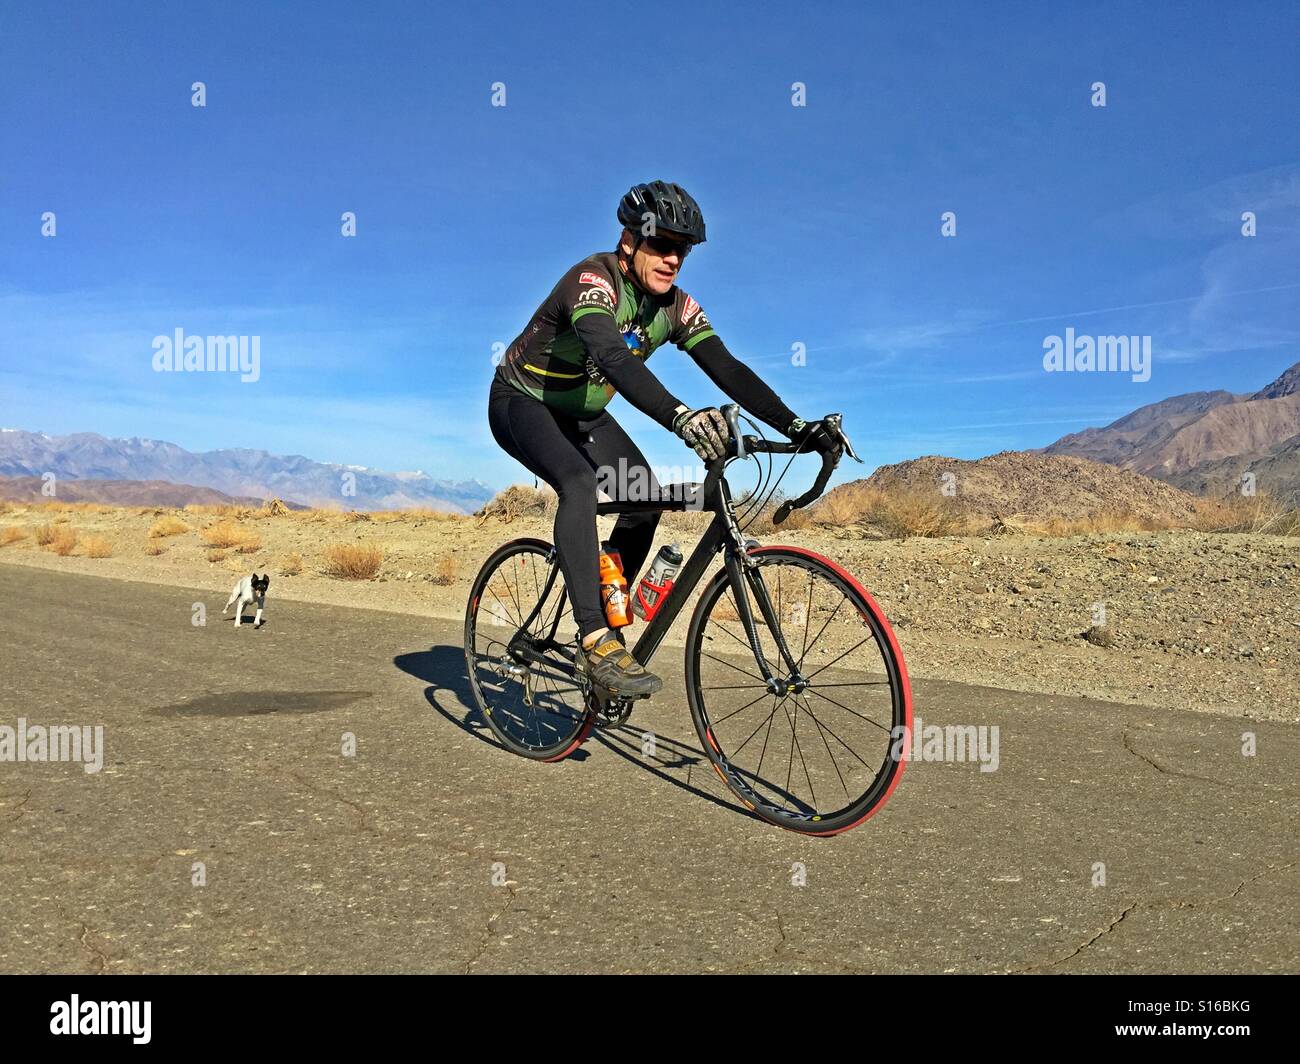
{"type": "Point", "coordinates": [416, 514]}
{"type": "Point", "coordinates": [12, 534]}
{"type": "Point", "coordinates": [446, 571]}
{"type": "Point", "coordinates": [228, 534]}
{"type": "Point", "coordinates": [98, 547]}
{"type": "Point", "coordinates": [215, 556]}
{"type": "Point", "coordinates": [154, 549]}
{"type": "Point", "coordinates": [55, 506]}
{"type": "Point", "coordinates": [519, 501]}
{"type": "Point", "coordinates": [897, 513]}
{"type": "Point", "coordinates": [64, 541]}
{"type": "Point", "coordinates": [224, 510]}
{"type": "Point", "coordinates": [291, 565]}
{"type": "Point", "coordinates": [167, 526]}
{"type": "Point", "coordinates": [349, 561]}
{"type": "Point", "coordinates": [44, 535]}
{"type": "Point", "coordinates": [1101, 523]}
{"type": "Point", "coordinates": [1260, 513]}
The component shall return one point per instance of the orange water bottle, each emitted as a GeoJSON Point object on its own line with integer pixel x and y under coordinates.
{"type": "Point", "coordinates": [613, 587]}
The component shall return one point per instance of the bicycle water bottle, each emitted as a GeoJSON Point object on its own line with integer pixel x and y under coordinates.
{"type": "Point", "coordinates": [613, 587]}
{"type": "Point", "coordinates": [656, 583]}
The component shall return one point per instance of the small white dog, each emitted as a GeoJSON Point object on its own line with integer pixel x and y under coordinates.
{"type": "Point", "coordinates": [250, 589]}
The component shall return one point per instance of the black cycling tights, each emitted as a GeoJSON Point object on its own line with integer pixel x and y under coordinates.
{"type": "Point", "coordinates": [566, 453]}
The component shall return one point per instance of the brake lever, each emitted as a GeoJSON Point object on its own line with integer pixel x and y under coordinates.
{"type": "Point", "coordinates": [837, 420]}
{"type": "Point", "coordinates": [732, 414]}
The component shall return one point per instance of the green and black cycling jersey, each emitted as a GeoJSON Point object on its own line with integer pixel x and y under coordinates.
{"type": "Point", "coordinates": [591, 336]}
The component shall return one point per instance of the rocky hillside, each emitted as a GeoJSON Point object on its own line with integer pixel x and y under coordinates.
{"type": "Point", "coordinates": [1036, 486]}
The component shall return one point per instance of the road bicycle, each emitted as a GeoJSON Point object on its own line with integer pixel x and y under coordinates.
{"type": "Point", "coordinates": [794, 679]}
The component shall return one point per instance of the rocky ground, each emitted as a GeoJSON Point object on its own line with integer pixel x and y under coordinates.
{"type": "Point", "coordinates": [1193, 620]}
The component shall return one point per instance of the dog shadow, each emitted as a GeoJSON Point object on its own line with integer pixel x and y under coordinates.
{"type": "Point", "coordinates": [443, 669]}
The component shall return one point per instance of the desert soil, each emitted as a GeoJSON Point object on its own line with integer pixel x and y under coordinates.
{"type": "Point", "coordinates": [1201, 621]}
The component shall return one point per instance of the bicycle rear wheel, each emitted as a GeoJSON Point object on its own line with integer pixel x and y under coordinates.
{"type": "Point", "coordinates": [821, 749]}
{"type": "Point", "coordinates": [520, 648]}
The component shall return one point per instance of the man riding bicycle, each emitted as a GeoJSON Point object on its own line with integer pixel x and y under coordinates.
{"type": "Point", "coordinates": [588, 340]}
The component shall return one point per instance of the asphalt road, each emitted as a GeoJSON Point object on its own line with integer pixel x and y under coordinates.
{"type": "Point", "coordinates": [225, 747]}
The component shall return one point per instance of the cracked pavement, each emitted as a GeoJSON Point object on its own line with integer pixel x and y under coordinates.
{"type": "Point", "coordinates": [223, 765]}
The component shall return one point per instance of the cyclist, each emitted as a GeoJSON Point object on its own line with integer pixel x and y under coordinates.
{"type": "Point", "coordinates": [589, 339]}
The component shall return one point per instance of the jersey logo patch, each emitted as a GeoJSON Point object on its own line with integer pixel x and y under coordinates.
{"type": "Point", "coordinates": [587, 277]}
{"type": "Point", "coordinates": [689, 309]}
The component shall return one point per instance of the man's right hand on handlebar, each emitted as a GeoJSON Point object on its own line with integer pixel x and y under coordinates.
{"type": "Point", "coordinates": [704, 430]}
{"type": "Point", "coordinates": [813, 436]}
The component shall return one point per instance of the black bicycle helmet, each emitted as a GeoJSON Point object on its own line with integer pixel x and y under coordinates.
{"type": "Point", "coordinates": [671, 206]}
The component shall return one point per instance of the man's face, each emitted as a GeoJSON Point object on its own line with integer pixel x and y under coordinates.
{"type": "Point", "coordinates": [657, 260]}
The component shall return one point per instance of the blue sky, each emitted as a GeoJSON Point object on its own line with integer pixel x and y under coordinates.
{"type": "Point", "coordinates": [824, 220]}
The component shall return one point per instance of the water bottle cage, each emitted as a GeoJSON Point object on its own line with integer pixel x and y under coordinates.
{"type": "Point", "coordinates": [661, 590]}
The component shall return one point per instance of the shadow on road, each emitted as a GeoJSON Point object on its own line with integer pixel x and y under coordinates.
{"type": "Point", "coordinates": [443, 668]}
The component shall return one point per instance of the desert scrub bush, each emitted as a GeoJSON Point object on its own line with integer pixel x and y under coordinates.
{"type": "Point", "coordinates": [167, 526]}
{"type": "Point", "coordinates": [215, 556]}
{"type": "Point", "coordinates": [415, 514]}
{"type": "Point", "coordinates": [519, 501]}
{"type": "Point", "coordinates": [64, 541]}
{"type": "Point", "coordinates": [12, 534]}
{"type": "Point", "coordinates": [291, 565]}
{"type": "Point", "coordinates": [1261, 513]}
{"type": "Point", "coordinates": [349, 561]}
{"type": "Point", "coordinates": [44, 535]}
{"type": "Point", "coordinates": [1104, 522]}
{"type": "Point", "coordinates": [898, 512]}
{"type": "Point", "coordinates": [154, 549]}
{"type": "Point", "coordinates": [226, 533]}
{"type": "Point", "coordinates": [97, 547]}
{"type": "Point", "coordinates": [445, 572]}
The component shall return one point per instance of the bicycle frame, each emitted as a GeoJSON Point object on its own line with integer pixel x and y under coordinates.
{"type": "Point", "coordinates": [721, 534]}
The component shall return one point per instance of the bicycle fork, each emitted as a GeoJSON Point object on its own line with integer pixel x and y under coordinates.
{"type": "Point", "coordinates": [743, 573]}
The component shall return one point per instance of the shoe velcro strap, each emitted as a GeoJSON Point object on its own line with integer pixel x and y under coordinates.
{"type": "Point", "coordinates": [612, 646]}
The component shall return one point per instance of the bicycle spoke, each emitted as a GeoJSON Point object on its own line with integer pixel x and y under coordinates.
{"type": "Point", "coordinates": [843, 599]}
{"type": "Point", "coordinates": [846, 709]}
{"type": "Point", "coordinates": [830, 753]}
{"type": "Point", "coordinates": [720, 661]}
{"type": "Point", "coordinates": [831, 732]}
{"type": "Point", "coordinates": [837, 658]}
{"type": "Point", "coordinates": [742, 709]}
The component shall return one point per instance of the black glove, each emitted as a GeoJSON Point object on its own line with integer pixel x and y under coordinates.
{"type": "Point", "coordinates": [704, 430]}
{"type": "Point", "coordinates": [813, 436]}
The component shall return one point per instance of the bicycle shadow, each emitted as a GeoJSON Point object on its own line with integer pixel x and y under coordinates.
{"type": "Point", "coordinates": [443, 669]}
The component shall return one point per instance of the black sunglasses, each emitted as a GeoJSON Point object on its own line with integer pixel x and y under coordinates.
{"type": "Point", "coordinates": [662, 245]}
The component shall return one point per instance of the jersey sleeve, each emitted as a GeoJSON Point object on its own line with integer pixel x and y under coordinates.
{"type": "Point", "coordinates": [690, 324]}
{"type": "Point", "coordinates": [586, 289]}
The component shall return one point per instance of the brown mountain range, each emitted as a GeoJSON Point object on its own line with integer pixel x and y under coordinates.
{"type": "Point", "coordinates": [1206, 441]}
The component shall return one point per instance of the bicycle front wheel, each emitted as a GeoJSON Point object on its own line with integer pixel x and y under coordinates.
{"type": "Point", "coordinates": [819, 750]}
